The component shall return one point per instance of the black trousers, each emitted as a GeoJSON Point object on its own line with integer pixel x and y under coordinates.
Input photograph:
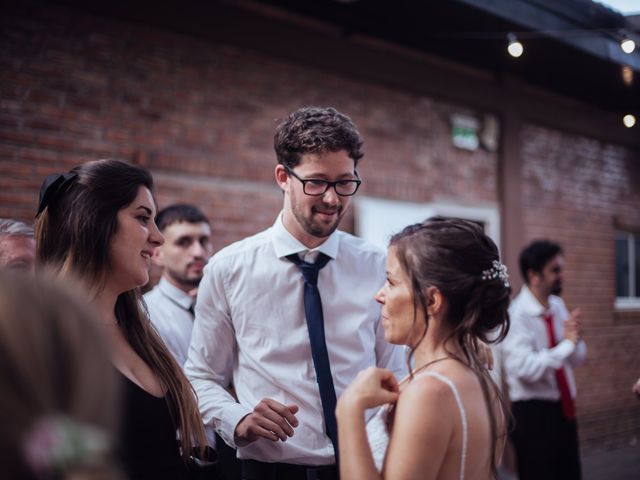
{"type": "Point", "coordinates": [228, 464]}
{"type": "Point", "coordinates": [254, 470]}
{"type": "Point", "coordinates": [546, 444]}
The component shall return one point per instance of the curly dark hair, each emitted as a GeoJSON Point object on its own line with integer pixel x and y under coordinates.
{"type": "Point", "coordinates": [316, 130]}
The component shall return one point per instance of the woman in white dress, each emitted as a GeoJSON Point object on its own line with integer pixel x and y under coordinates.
{"type": "Point", "coordinates": [445, 291]}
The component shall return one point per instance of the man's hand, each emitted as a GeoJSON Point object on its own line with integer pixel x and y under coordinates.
{"type": "Point", "coordinates": [269, 419]}
{"type": "Point", "coordinates": [573, 327]}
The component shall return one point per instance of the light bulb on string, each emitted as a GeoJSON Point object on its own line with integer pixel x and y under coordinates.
{"type": "Point", "coordinates": [629, 120]}
{"type": "Point", "coordinates": [627, 75]}
{"type": "Point", "coordinates": [514, 47]}
{"type": "Point", "coordinates": [627, 44]}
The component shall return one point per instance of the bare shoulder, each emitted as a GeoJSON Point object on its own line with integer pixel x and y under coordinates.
{"type": "Point", "coordinates": [426, 387]}
{"type": "Point", "coordinates": [424, 421]}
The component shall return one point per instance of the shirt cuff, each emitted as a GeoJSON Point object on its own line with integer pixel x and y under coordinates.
{"type": "Point", "coordinates": [230, 419]}
{"type": "Point", "coordinates": [564, 348]}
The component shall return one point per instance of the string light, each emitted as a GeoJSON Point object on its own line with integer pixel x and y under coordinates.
{"type": "Point", "coordinates": [627, 75]}
{"type": "Point", "coordinates": [627, 44]}
{"type": "Point", "coordinates": [514, 47]}
{"type": "Point", "coordinates": [629, 120]}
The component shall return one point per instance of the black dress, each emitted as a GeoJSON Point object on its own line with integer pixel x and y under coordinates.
{"type": "Point", "coordinates": [147, 445]}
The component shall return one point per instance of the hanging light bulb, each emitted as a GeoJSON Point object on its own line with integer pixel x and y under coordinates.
{"type": "Point", "coordinates": [627, 44]}
{"type": "Point", "coordinates": [629, 120]}
{"type": "Point", "coordinates": [514, 47]}
{"type": "Point", "coordinates": [627, 75]}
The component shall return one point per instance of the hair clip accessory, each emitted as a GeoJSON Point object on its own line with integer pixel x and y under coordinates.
{"type": "Point", "coordinates": [497, 270]}
{"type": "Point", "coordinates": [53, 187]}
{"type": "Point", "coordinates": [57, 444]}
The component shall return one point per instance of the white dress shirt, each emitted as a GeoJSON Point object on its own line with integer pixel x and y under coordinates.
{"type": "Point", "coordinates": [250, 326]}
{"type": "Point", "coordinates": [529, 362]}
{"type": "Point", "coordinates": [168, 308]}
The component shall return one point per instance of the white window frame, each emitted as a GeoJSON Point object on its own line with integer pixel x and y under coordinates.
{"type": "Point", "coordinates": [377, 219]}
{"type": "Point", "coordinates": [631, 302]}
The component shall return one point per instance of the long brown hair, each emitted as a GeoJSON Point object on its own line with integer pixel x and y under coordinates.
{"type": "Point", "coordinates": [73, 234]}
{"type": "Point", "coordinates": [452, 255]}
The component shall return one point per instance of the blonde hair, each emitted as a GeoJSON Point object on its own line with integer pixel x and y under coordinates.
{"type": "Point", "coordinates": [53, 365]}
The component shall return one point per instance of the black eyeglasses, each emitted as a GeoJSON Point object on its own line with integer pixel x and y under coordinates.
{"type": "Point", "coordinates": [316, 186]}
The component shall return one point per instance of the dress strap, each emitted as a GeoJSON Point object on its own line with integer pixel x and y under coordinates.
{"type": "Point", "coordinates": [463, 415]}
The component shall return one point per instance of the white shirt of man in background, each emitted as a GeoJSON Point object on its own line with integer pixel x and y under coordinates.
{"type": "Point", "coordinates": [186, 249]}
{"type": "Point", "coordinates": [543, 345]}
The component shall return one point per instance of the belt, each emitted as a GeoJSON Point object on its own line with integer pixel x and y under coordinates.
{"type": "Point", "coordinates": [255, 470]}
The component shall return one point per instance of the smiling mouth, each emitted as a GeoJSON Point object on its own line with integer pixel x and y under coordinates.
{"type": "Point", "coordinates": [328, 213]}
{"type": "Point", "coordinates": [145, 255]}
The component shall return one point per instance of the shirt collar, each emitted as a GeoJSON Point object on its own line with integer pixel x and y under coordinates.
{"type": "Point", "coordinates": [175, 294]}
{"type": "Point", "coordinates": [286, 244]}
{"type": "Point", "coordinates": [530, 303]}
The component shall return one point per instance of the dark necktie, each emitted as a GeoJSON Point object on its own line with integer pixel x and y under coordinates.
{"type": "Point", "coordinates": [315, 325]}
{"type": "Point", "coordinates": [568, 406]}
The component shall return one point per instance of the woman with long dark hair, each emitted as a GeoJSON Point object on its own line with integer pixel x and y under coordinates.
{"type": "Point", "coordinates": [96, 225]}
{"type": "Point", "coordinates": [446, 290]}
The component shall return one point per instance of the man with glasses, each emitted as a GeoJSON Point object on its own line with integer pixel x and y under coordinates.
{"type": "Point", "coordinates": [289, 314]}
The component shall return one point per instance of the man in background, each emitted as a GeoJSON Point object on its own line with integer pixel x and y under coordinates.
{"type": "Point", "coordinates": [17, 246]}
{"type": "Point", "coordinates": [544, 343]}
{"type": "Point", "coordinates": [182, 257]}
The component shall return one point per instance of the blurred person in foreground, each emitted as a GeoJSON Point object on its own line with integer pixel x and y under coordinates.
{"type": "Point", "coordinates": [544, 344]}
{"type": "Point", "coordinates": [58, 404]}
{"type": "Point", "coordinates": [96, 224]}
{"type": "Point", "coordinates": [17, 245]}
{"type": "Point", "coordinates": [446, 290]}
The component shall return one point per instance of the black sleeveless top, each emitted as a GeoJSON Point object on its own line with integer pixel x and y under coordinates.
{"type": "Point", "coordinates": [147, 445]}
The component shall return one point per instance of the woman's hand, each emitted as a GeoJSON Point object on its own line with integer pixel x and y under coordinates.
{"type": "Point", "coordinates": [371, 387]}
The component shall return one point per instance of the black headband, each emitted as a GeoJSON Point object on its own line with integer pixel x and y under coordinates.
{"type": "Point", "coordinates": [52, 187]}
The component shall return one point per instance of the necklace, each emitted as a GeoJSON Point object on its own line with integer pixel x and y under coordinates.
{"type": "Point", "coordinates": [425, 366]}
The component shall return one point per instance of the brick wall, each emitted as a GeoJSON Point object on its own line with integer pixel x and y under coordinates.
{"type": "Point", "coordinates": [201, 116]}
{"type": "Point", "coordinates": [576, 190]}
{"type": "Point", "coordinates": [76, 87]}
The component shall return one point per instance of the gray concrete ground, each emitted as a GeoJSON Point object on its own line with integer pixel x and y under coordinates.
{"type": "Point", "coordinates": [604, 464]}
{"type": "Point", "coordinates": [608, 464]}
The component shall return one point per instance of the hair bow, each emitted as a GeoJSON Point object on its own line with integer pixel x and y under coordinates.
{"type": "Point", "coordinates": [52, 187]}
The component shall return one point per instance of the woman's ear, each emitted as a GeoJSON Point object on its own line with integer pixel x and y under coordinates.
{"type": "Point", "coordinates": [435, 301]}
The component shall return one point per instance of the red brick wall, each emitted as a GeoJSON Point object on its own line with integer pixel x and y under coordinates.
{"type": "Point", "coordinates": [201, 116]}
{"type": "Point", "coordinates": [75, 87]}
{"type": "Point", "coordinates": [576, 190]}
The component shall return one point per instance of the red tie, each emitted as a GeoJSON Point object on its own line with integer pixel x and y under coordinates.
{"type": "Point", "coordinates": [568, 407]}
